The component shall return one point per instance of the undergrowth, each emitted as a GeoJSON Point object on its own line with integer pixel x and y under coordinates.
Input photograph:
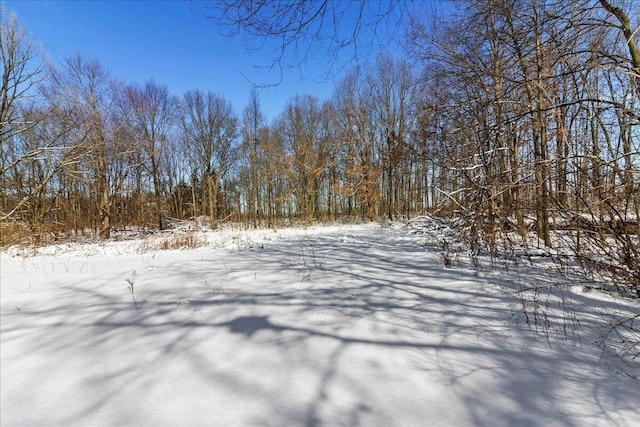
{"type": "Point", "coordinates": [544, 297]}
{"type": "Point", "coordinates": [182, 240]}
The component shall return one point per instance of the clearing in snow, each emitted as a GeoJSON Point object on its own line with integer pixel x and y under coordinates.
{"type": "Point", "coordinates": [335, 326]}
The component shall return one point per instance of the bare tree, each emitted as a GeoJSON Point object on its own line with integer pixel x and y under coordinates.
{"type": "Point", "coordinates": [630, 34]}
{"type": "Point", "coordinates": [358, 159]}
{"type": "Point", "coordinates": [22, 67]}
{"type": "Point", "coordinates": [253, 121]}
{"type": "Point", "coordinates": [86, 94]}
{"type": "Point", "coordinates": [152, 116]}
{"type": "Point", "coordinates": [209, 129]}
{"type": "Point", "coordinates": [390, 103]}
{"type": "Point", "coordinates": [300, 128]}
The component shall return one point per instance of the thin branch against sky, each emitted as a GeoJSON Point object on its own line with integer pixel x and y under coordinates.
{"type": "Point", "coordinates": [174, 44]}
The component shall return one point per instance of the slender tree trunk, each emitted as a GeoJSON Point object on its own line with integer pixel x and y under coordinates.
{"type": "Point", "coordinates": [105, 210]}
{"type": "Point", "coordinates": [212, 190]}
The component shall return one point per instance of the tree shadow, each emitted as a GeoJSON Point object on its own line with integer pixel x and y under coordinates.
{"type": "Point", "coordinates": [369, 331]}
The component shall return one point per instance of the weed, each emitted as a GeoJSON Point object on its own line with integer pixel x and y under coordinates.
{"type": "Point", "coordinates": [131, 281]}
{"type": "Point", "coordinates": [307, 259]}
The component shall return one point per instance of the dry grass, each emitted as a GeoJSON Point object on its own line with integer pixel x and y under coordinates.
{"type": "Point", "coordinates": [21, 234]}
{"type": "Point", "coordinates": [11, 233]}
{"type": "Point", "coordinates": [181, 240]}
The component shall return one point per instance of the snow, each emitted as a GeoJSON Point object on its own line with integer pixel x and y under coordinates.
{"type": "Point", "coordinates": [324, 326]}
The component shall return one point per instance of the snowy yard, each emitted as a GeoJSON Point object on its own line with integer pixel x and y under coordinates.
{"type": "Point", "coordinates": [335, 326]}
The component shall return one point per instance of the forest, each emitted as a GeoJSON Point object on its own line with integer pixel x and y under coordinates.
{"type": "Point", "coordinates": [527, 121]}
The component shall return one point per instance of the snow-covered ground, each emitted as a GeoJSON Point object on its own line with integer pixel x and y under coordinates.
{"type": "Point", "coordinates": [334, 326]}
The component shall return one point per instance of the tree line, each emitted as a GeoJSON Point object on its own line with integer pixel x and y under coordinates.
{"type": "Point", "coordinates": [516, 115]}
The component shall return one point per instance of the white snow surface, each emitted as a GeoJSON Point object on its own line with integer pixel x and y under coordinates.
{"type": "Point", "coordinates": [328, 326]}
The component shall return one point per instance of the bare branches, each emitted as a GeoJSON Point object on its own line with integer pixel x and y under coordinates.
{"type": "Point", "coordinates": [333, 34]}
{"type": "Point", "coordinates": [22, 67]}
{"type": "Point", "coordinates": [209, 130]}
{"type": "Point", "coordinates": [629, 35]}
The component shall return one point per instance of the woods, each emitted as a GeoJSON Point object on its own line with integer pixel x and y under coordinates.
{"type": "Point", "coordinates": [528, 120]}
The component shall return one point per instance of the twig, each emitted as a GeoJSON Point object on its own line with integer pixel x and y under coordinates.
{"type": "Point", "coordinates": [131, 281]}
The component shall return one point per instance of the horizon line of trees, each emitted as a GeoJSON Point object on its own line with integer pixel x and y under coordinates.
{"type": "Point", "coordinates": [527, 119]}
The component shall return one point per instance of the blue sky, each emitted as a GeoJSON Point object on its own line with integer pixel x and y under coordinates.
{"type": "Point", "coordinates": [168, 41]}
